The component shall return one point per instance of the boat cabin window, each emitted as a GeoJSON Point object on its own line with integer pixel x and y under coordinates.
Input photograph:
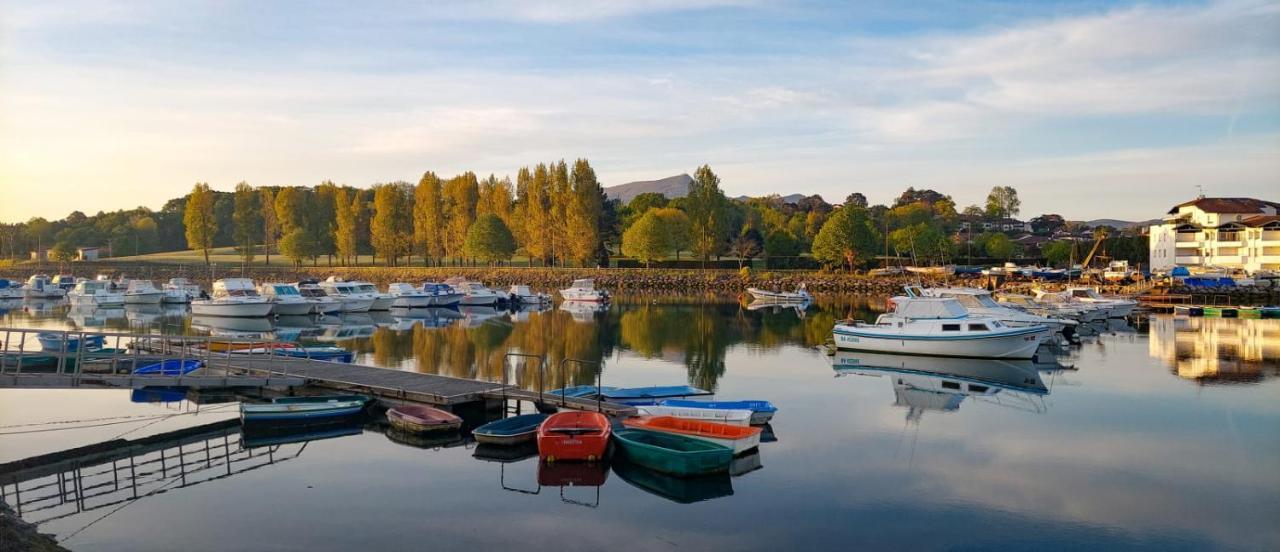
{"type": "Point", "coordinates": [986, 301]}
{"type": "Point", "coordinates": [950, 327]}
{"type": "Point", "coordinates": [285, 290]}
{"type": "Point", "coordinates": [977, 327]}
{"type": "Point", "coordinates": [978, 388]}
{"type": "Point", "coordinates": [951, 385]}
{"type": "Point", "coordinates": [967, 300]}
{"type": "Point", "coordinates": [1080, 293]}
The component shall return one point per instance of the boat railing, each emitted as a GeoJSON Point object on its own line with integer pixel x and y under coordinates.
{"type": "Point", "coordinates": [542, 371]}
{"type": "Point", "coordinates": [120, 350]}
{"type": "Point", "coordinates": [599, 379]}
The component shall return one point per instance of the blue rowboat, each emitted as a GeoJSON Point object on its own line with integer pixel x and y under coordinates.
{"type": "Point", "coordinates": [171, 367]}
{"type": "Point", "coordinates": [673, 454]}
{"type": "Point", "coordinates": [653, 392]}
{"type": "Point", "coordinates": [510, 431]}
{"type": "Point", "coordinates": [158, 394]}
{"type": "Point", "coordinates": [52, 341]}
{"type": "Point", "coordinates": [304, 409]}
{"type": "Point", "coordinates": [334, 354]}
{"type": "Point", "coordinates": [579, 391]}
{"type": "Point", "coordinates": [761, 411]}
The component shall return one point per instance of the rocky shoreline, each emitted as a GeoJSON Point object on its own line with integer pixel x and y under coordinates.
{"type": "Point", "coordinates": [19, 536]}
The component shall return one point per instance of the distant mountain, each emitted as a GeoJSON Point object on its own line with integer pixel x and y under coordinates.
{"type": "Point", "coordinates": [671, 186]}
{"type": "Point", "coordinates": [1119, 224]}
{"type": "Point", "coordinates": [792, 199]}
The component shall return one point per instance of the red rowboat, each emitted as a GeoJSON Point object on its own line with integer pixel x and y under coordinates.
{"type": "Point", "coordinates": [574, 436]}
{"type": "Point", "coordinates": [422, 419]}
{"type": "Point", "coordinates": [739, 438]}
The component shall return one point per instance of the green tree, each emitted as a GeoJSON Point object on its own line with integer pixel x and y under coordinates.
{"type": "Point", "coordinates": [707, 210]}
{"type": "Point", "coordinates": [647, 239]}
{"type": "Point", "coordinates": [1057, 253]}
{"type": "Point", "coordinates": [429, 222]}
{"type": "Point", "coordinates": [489, 239]}
{"type": "Point", "coordinates": [780, 243]}
{"type": "Point", "coordinates": [296, 245]}
{"type": "Point", "coordinates": [198, 218]}
{"type": "Point", "coordinates": [391, 218]}
{"type": "Point", "coordinates": [270, 226]}
{"type": "Point", "coordinates": [846, 238]}
{"type": "Point", "coordinates": [62, 251]}
{"type": "Point", "coordinates": [585, 206]}
{"type": "Point", "coordinates": [641, 203]}
{"type": "Point", "coordinates": [1003, 202]}
{"type": "Point", "coordinates": [999, 246]}
{"type": "Point", "coordinates": [678, 227]}
{"type": "Point", "coordinates": [247, 221]}
{"type": "Point", "coordinates": [322, 221]}
{"type": "Point", "coordinates": [347, 221]}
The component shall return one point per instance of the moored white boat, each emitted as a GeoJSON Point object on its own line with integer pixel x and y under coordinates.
{"type": "Point", "coordinates": [179, 290]}
{"type": "Point", "coordinates": [979, 302]}
{"type": "Point", "coordinates": [441, 295]}
{"type": "Point", "coordinates": [347, 294]}
{"type": "Point", "coordinates": [320, 301]}
{"type": "Point", "coordinates": [381, 301]}
{"type": "Point", "coordinates": [94, 293]}
{"type": "Point", "coordinates": [940, 327]}
{"type": "Point", "coordinates": [10, 289]}
{"type": "Point", "coordinates": [405, 296]}
{"type": "Point", "coordinates": [142, 292]}
{"type": "Point", "coordinates": [286, 300]}
{"type": "Point", "coordinates": [584, 289]}
{"type": "Point", "coordinates": [1116, 307]}
{"type": "Point", "coordinates": [40, 286]}
{"type": "Point", "coordinates": [800, 295]}
{"type": "Point", "coordinates": [233, 297]}
{"type": "Point", "coordinates": [526, 296]}
{"type": "Point", "coordinates": [474, 294]}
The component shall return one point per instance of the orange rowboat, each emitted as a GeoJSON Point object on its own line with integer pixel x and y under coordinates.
{"type": "Point", "coordinates": [739, 438]}
{"type": "Point", "coordinates": [574, 436]}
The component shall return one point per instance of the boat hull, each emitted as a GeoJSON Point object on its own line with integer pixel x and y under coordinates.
{"type": "Point", "coordinates": [302, 411]}
{"type": "Point", "coordinates": [738, 438]}
{"type": "Point", "coordinates": [1019, 344]}
{"type": "Point", "coordinates": [478, 300]}
{"type": "Point", "coordinates": [673, 454]}
{"type": "Point", "coordinates": [381, 303]}
{"type": "Point", "coordinates": [291, 309]}
{"type": "Point", "coordinates": [574, 436]}
{"type": "Point", "coordinates": [239, 310]}
{"type": "Point", "coordinates": [423, 419]}
{"type": "Point", "coordinates": [510, 431]}
{"type": "Point", "coordinates": [723, 416]}
{"type": "Point", "coordinates": [149, 298]}
{"type": "Point", "coordinates": [411, 301]}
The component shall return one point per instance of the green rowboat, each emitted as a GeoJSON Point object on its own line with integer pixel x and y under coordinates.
{"type": "Point", "coordinates": [673, 454]}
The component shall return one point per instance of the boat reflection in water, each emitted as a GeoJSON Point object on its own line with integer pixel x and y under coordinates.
{"type": "Point", "coordinates": [503, 455]}
{"type": "Point", "coordinates": [262, 435]}
{"type": "Point", "coordinates": [428, 317]}
{"type": "Point", "coordinates": [573, 474]}
{"type": "Point", "coordinates": [433, 441]}
{"type": "Point", "coordinates": [348, 326]}
{"type": "Point", "coordinates": [474, 316]}
{"type": "Point", "coordinates": [584, 311]}
{"type": "Point", "coordinates": [226, 326]}
{"type": "Point", "coordinates": [681, 490]}
{"type": "Point", "coordinates": [1216, 350]}
{"type": "Point", "coordinates": [94, 317]}
{"type": "Point", "coordinates": [924, 383]}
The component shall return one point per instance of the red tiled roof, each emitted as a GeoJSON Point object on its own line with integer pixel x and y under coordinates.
{"type": "Point", "coordinates": [1260, 220]}
{"type": "Point", "coordinates": [1227, 205]}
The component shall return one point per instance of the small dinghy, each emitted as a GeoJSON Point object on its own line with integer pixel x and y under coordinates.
{"type": "Point", "coordinates": [580, 391]}
{"type": "Point", "coordinates": [304, 409]}
{"type": "Point", "coordinates": [652, 392]}
{"type": "Point", "coordinates": [171, 367]}
{"type": "Point", "coordinates": [740, 439]}
{"type": "Point", "coordinates": [332, 354]}
{"type": "Point", "coordinates": [581, 436]}
{"type": "Point", "coordinates": [673, 454]}
{"type": "Point", "coordinates": [761, 411]}
{"type": "Point", "coordinates": [510, 431]}
{"type": "Point", "coordinates": [800, 295]}
{"type": "Point", "coordinates": [52, 341]}
{"type": "Point", "coordinates": [731, 417]}
{"type": "Point", "coordinates": [415, 418]}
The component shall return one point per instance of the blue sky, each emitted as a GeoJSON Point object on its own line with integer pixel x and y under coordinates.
{"type": "Point", "coordinates": [1090, 109]}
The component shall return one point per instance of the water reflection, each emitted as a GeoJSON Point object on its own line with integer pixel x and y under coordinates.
{"type": "Point", "coordinates": [939, 384]}
{"type": "Point", "coordinates": [1217, 350]}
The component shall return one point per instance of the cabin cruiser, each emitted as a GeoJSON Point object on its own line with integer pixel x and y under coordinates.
{"type": "Point", "coordinates": [1116, 307]}
{"type": "Point", "coordinates": [40, 286]}
{"type": "Point", "coordinates": [1119, 271]}
{"type": "Point", "coordinates": [10, 289]}
{"type": "Point", "coordinates": [800, 295]}
{"type": "Point", "coordinates": [142, 292]}
{"type": "Point", "coordinates": [381, 301]}
{"type": "Point", "coordinates": [1072, 311]}
{"type": "Point", "coordinates": [442, 295]}
{"type": "Point", "coordinates": [584, 289]}
{"type": "Point", "coordinates": [94, 293]}
{"type": "Point", "coordinates": [233, 297]}
{"type": "Point", "coordinates": [939, 326]}
{"type": "Point", "coordinates": [405, 296]}
{"type": "Point", "coordinates": [474, 294]}
{"type": "Point", "coordinates": [286, 298]}
{"type": "Point", "coordinates": [979, 302]}
{"type": "Point", "coordinates": [65, 281]}
{"type": "Point", "coordinates": [525, 296]}
{"type": "Point", "coordinates": [180, 290]}
{"type": "Point", "coordinates": [320, 301]}
{"type": "Point", "coordinates": [347, 294]}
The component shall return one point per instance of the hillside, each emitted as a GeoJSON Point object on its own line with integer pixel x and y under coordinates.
{"type": "Point", "coordinates": [671, 186]}
{"type": "Point", "coordinates": [1120, 224]}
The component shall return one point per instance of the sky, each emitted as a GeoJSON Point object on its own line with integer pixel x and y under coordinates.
{"type": "Point", "coordinates": [1090, 110]}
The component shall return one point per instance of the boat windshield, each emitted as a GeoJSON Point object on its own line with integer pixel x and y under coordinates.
{"type": "Point", "coordinates": [285, 290]}
{"type": "Point", "coordinates": [987, 301]}
{"type": "Point", "coordinates": [1083, 293]}
{"type": "Point", "coordinates": [366, 288]}
{"type": "Point", "coordinates": [969, 301]}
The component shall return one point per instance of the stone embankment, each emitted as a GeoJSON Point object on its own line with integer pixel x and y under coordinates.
{"type": "Point", "coordinates": [17, 535]}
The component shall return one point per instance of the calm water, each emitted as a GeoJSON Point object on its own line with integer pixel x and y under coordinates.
{"type": "Point", "coordinates": [1161, 434]}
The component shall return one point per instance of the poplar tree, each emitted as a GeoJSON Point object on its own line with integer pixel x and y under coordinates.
{"type": "Point", "coordinates": [460, 196]}
{"type": "Point", "coordinates": [561, 196]}
{"type": "Point", "coordinates": [199, 220]}
{"type": "Point", "coordinates": [347, 225]}
{"type": "Point", "coordinates": [391, 215]}
{"type": "Point", "coordinates": [537, 220]}
{"type": "Point", "coordinates": [707, 209]}
{"type": "Point", "coordinates": [322, 219]}
{"type": "Point", "coordinates": [270, 225]}
{"type": "Point", "coordinates": [246, 220]}
{"type": "Point", "coordinates": [428, 218]}
{"type": "Point", "coordinates": [495, 199]}
{"type": "Point", "coordinates": [582, 224]}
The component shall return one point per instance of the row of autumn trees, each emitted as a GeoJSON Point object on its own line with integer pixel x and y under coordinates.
{"type": "Point", "coordinates": [555, 213]}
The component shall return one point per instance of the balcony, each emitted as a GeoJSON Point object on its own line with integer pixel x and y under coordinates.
{"type": "Point", "coordinates": [1188, 260]}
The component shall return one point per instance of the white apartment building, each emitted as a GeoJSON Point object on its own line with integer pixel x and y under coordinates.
{"type": "Point", "coordinates": [1219, 232]}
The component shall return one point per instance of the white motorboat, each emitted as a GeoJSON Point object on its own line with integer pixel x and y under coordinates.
{"type": "Point", "coordinates": [286, 298]}
{"type": "Point", "coordinates": [526, 296]}
{"type": "Point", "coordinates": [938, 326]}
{"type": "Point", "coordinates": [94, 293]}
{"type": "Point", "coordinates": [887, 271]}
{"type": "Point", "coordinates": [740, 417]}
{"type": "Point", "coordinates": [10, 289]}
{"type": "Point", "coordinates": [233, 297]}
{"type": "Point", "coordinates": [65, 281]}
{"type": "Point", "coordinates": [442, 295]}
{"type": "Point", "coordinates": [1072, 311]}
{"type": "Point", "coordinates": [980, 303]}
{"type": "Point", "coordinates": [1119, 271]}
{"type": "Point", "coordinates": [800, 295]}
{"type": "Point", "coordinates": [945, 270]}
{"type": "Point", "coordinates": [474, 294]}
{"type": "Point", "coordinates": [405, 296]}
{"type": "Point", "coordinates": [142, 292]}
{"type": "Point", "coordinates": [40, 286]}
{"type": "Point", "coordinates": [584, 289]}
{"type": "Point", "coordinates": [1116, 307]}
{"type": "Point", "coordinates": [381, 301]}
{"type": "Point", "coordinates": [346, 294]}
{"type": "Point", "coordinates": [320, 301]}
{"type": "Point", "coordinates": [179, 290]}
